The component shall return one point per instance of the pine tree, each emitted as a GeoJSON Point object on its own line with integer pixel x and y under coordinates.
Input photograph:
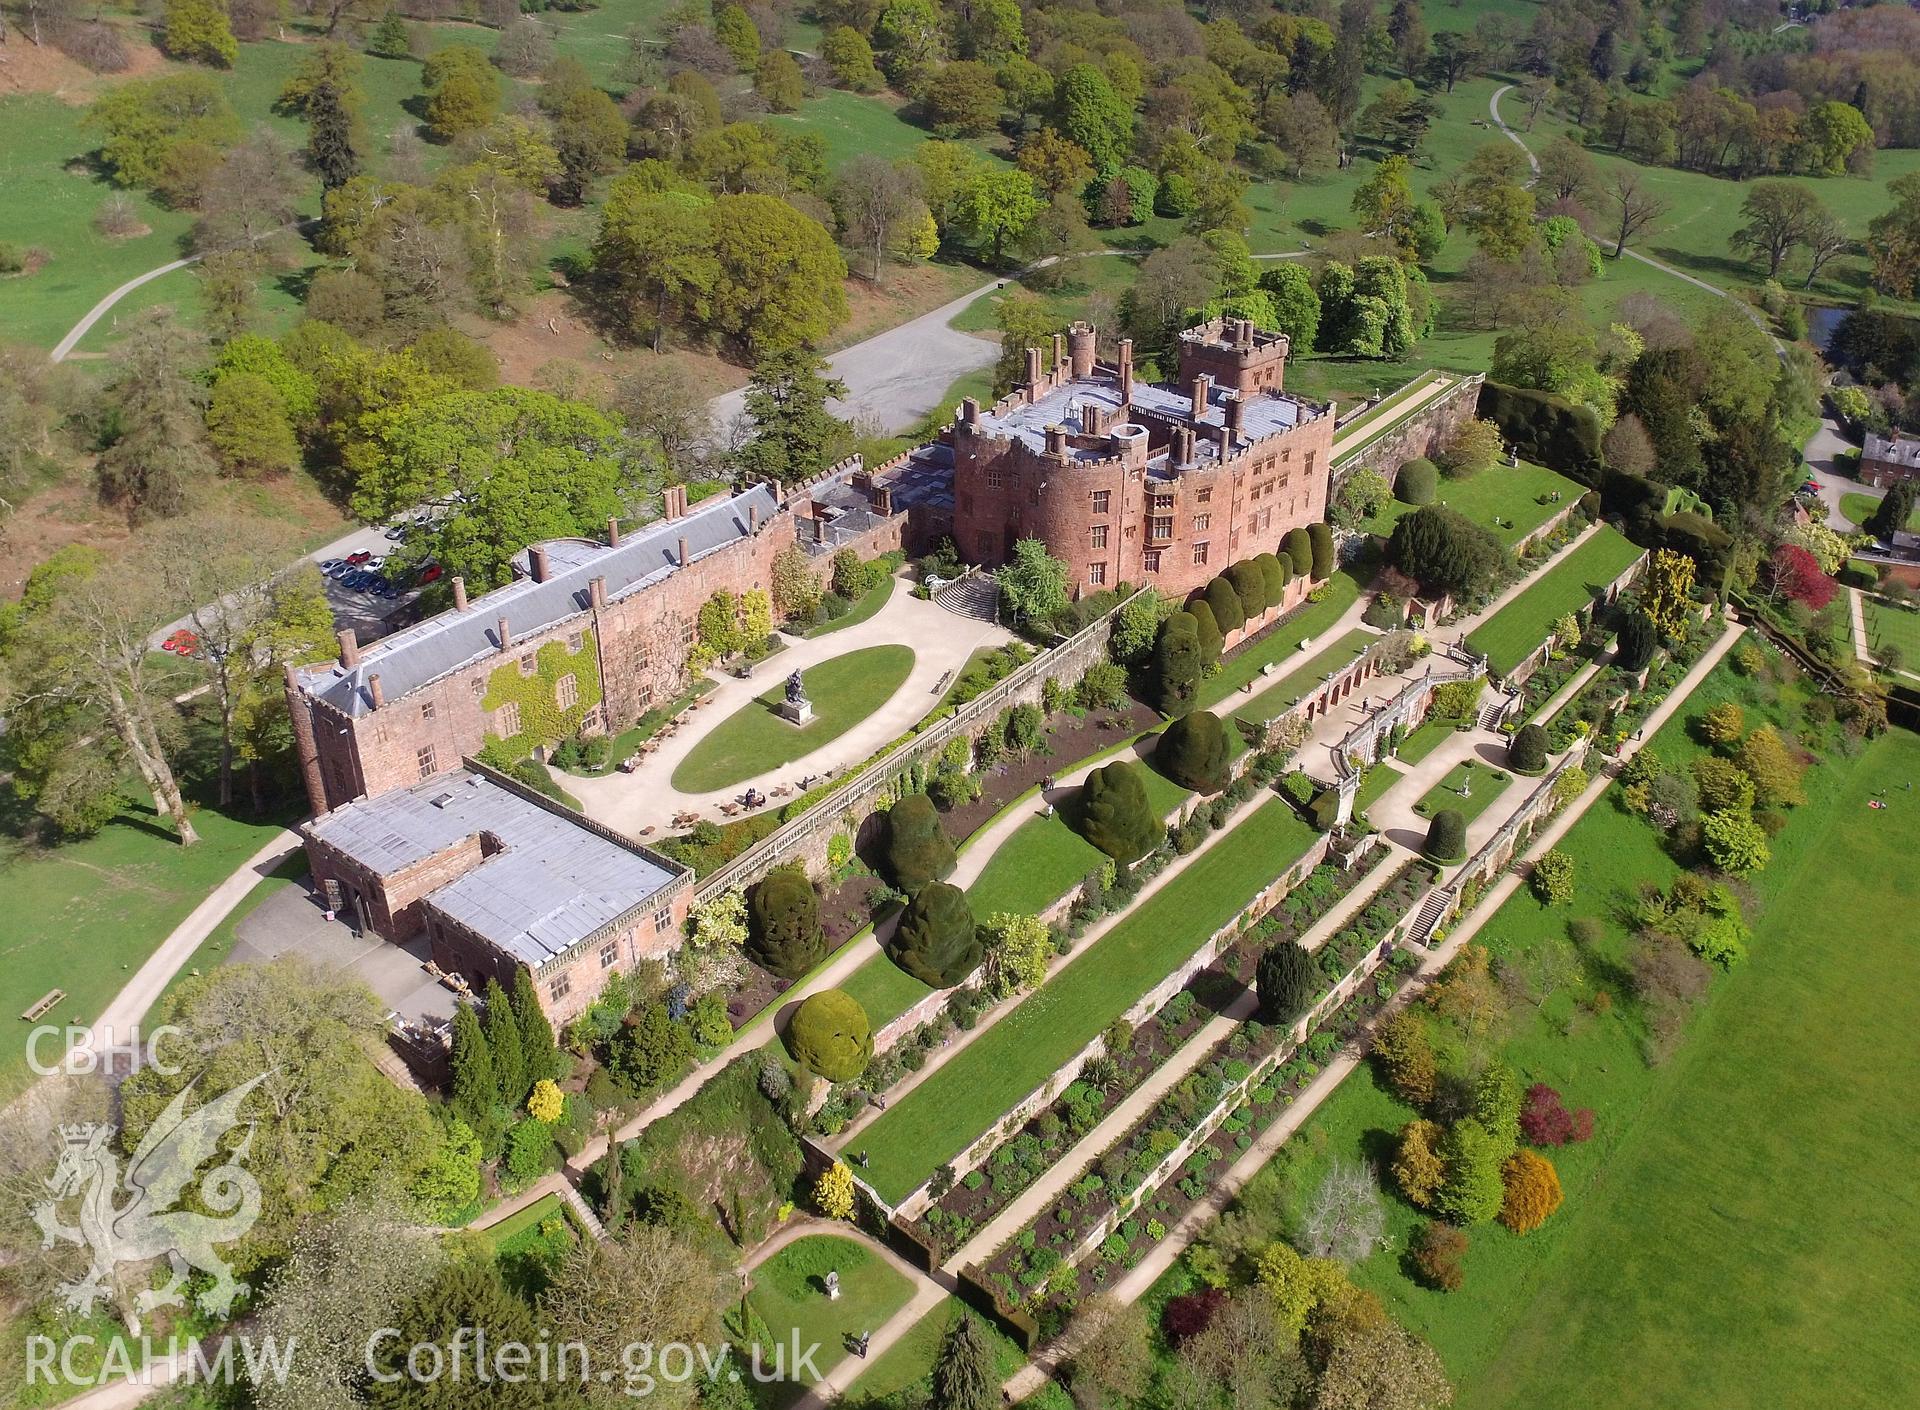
{"type": "Point", "coordinates": [539, 1054]}
{"type": "Point", "coordinates": [391, 37]}
{"type": "Point", "coordinates": [965, 1377]}
{"type": "Point", "coordinates": [510, 1082]}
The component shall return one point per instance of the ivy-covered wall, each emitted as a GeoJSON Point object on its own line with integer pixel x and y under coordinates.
{"type": "Point", "coordinates": [541, 718]}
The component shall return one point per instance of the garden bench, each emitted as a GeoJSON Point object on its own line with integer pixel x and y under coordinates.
{"type": "Point", "coordinates": [45, 1003]}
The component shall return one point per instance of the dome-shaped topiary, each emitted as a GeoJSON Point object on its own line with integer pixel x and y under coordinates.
{"type": "Point", "coordinates": [1193, 752]}
{"type": "Point", "coordinates": [1228, 612]}
{"type": "Point", "coordinates": [783, 924]}
{"type": "Point", "coordinates": [1447, 836]}
{"type": "Point", "coordinates": [936, 941]}
{"type": "Point", "coordinates": [1177, 664]}
{"type": "Point", "coordinates": [1115, 815]}
{"type": "Point", "coordinates": [831, 1036]}
{"type": "Point", "coordinates": [1527, 753]}
{"type": "Point", "coordinates": [1250, 586]}
{"type": "Point", "coordinates": [1208, 627]}
{"type": "Point", "coordinates": [1320, 538]}
{"type": "Point", "coordinates": [1298, 546]}
{"type": "Point", "coordinates": [1418, 481]}
{"type": "Point", "coordinates": [918, 848]}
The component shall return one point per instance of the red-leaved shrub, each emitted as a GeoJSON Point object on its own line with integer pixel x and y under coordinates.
{"type": "Point", "coordinates": [1186, 1316]}
{"type": "Point", "coordinates": [1796, 572]}
{"type": "Point", "coordinates": [1545, 1120]}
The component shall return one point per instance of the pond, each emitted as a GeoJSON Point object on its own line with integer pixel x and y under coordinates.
{"type": "Point", "coordinates": [1822, 322]}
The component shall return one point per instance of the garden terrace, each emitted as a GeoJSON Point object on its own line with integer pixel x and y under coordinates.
{"type": "Point", "coordinates": [1511, 502]}
{"type": "Point", "coordinates": [1517, 630]}
{"type": "Point", "coordinates": [1629, 1295]}
{"type": "Point", "coordinates": [947, 1112]}
{"type": "Point", "coordinates": [1281, 640]}
{"type": "Point", "coordinates": [1305, 678]}
{"type": "Point", "coordinates": [1890, 624]}
{"type": "Point", "coordinates": [1488, 784]}
{"type": "Point", "coordinates": [790, 1306]}
{"type": "Point", "coordinates": [1242, 1087]}
{"type": "Point", "coordinates": [1057, 1131]}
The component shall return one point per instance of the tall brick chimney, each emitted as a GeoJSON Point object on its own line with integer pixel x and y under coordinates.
{"type": "Point", "coordinates": [1202, 385]}
{"type": "Point", "coordinates": [506, 637]}
{"type": "Point", "coordinates": [349, 648]}
{"type": "Point", "coordinates": [1236, 415]}
{"type": "Point", "coordinates": [597, 593]}
{"type": "Point", "coordinates": [753, 518]}
{"type": "Point", "coordinates": [1243, 332]}
{"type": "Point", "coordinates": [685, 551]}
{"type": "Point", "coordinates": [1126, 374]}
{"type": "Point", "coordinates": [537, 563]}
{"type": "Point", "coordinates": [1059, 350]}
{"type": "Point", "coordinates": [1033, 374]}
{"type": "Point", "coordinates": [459, 594]}
{"type": "Point", "coordinates": [613, 531]}
{"type": "Point", "coordinates": [374, 692]}
{"type": "Point", "coordinates": [1056, 440]}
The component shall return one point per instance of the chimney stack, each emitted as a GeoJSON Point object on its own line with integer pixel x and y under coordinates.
{"type": "Point", "coordinates": [506, 637]}
{"type": "Point", "coordinates": [349, 648]}
{"type": "Point", "coordinates": [1033, 374]}
{"type": "Point", "coordinates": [883, 499]}
{"type": "Point", "coordinates": [1126, 373]}
{"type": "Point", "coordinates": [613, 531]}
{"type": "Point", "coordinates": [970, 409]}
{"type": "Point", "coordinates": [1202, 385]}
{"type": "Point", "coordinates": [753, 518]}
{"type": "Point", "coordinates": [1243, 332]}
{"type": "Point", "coordinates": [597, 593]}
{"type": "Point", "coordinates": [537, 563]}
{"type": "Point", "coordinates": [1059, 351]}
{"type": "Point", "coordinates": [685, 552]}
{"type": "Point", "coordinates": [1236, 416]}
{"type": "Point", "coordinates": [374, 692]}
{"type": "Point", "coordinates": [1057, 440]}
{"type": "Point", "coordinates": [1090, 417]}
{"type": "Point", "coordinates": [673, 499]}
{"type": "Point", "coordinates": [459, 594]}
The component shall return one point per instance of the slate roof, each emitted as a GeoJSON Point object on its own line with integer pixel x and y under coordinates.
{"type": "Point", "coordinates": [439, 646]}
{"type": "Point", "coordinates": [1265, 414]}
{"type": "Point", "coordinates": [552, 882]}
{"type": "Point", "coordinates": [1899, 449]}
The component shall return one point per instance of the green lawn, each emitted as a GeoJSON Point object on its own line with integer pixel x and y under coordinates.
{"type": "Point", "coordinates": [1304, 679]}
{"type": "Point", "coordinates": [901, 1379]}
{"type": "Point", "coordinates": [789, 1294]}
{"type": "Point", "coordinates": [1423, 741]}
{"type": "Point", "coordinates": [1738, 1232]}
{"type": "Point", "coordinates": [1446, 793]}
{"type": "Point", "coordinates": [854, 125]}
{"type": "Point", "coordinates": [945, 1113]}
{"type": "Point", "coordinates": [1898, 627]}
{"type": "Point", "coordinates": [1281, 643]}
{"type": "Point", "coordinates": [1381, 777]}
{"type": "Point", "coordinates": [1858, 508]}
{"type": "Point", "coordinates": [1518, 496]}
{"type": "Point", "coordinates": [752, 740]}
{"type": "Point", "coordinates": [884, 989]}
{"type": "Point", "coordinates": [1519, 627]}
{"type": "Point", "coordinates": [85, 915]}
{"type": "Point", "coordinates": [871, 601]}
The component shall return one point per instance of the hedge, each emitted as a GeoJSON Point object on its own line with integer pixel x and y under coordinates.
{"type": "Point", "coordinates": [1546, 429]}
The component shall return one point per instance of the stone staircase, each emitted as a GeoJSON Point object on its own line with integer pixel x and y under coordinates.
{"type": "Point", "coordinates": [1494, 709]}
{"type": "Point", "coordinates": [972, 594]}
{"type": "Point", "coordinates": [1428, 917]}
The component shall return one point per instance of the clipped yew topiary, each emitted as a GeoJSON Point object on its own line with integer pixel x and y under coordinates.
{"type": "Point", "coordinates": [1250, 586]}
{"type": "Point", "coordinates": [1288, 980]}
{"type": "Point", "coordinates": [1115, 815]}
{"type": "Point", "coordinates": [936, 941]}
{"type": "Point", "coordinates": [1447, 837]}
{"type": "Point", "coordinates": [830, 1035]}
{"type": "Point", "coordinates": [918, 848]}
{"type": "Point", "coordinates": [1638, 638]}
{"type": "Point", "coordinates": [1527, 752]}
{"type": "Point", "coordinates": [1193, 752]}
{"type": "Point", "coordinates": [1320, 540]}
{"type": "Point", "coordinates": [1275, 575]}
{"type": "Point", "coordinates": [1178, 661]}
{"type": "Point", "coordinates": [1208, 626]}
{"type": "Point", "coordinates": [1298, 546]}
{"type": "Point", "coordinates": [1228, 612]}
{"type": "Point", "coordinates": [783, 924]}
{"type": "Point", "coordinates": [1418, 481]}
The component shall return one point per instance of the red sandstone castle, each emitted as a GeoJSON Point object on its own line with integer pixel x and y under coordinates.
{"type": "Point", "coordinates": [1138, 482]}
{"type": "Point", "coordinates": [1125, 480]}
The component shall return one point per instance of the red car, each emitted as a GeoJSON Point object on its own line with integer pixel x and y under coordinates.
{"type": "Point", "coordinates": [181, 643]}
{"type": "Point", "coordinates": [358, 558]}
{"type": "Point", "coordinates": [430, 574]}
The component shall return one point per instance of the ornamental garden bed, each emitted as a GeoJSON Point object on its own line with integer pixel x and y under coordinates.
{"type": "Point", "coordinates": [1070, 736]}
{"type": "Point", "coordinates": [1033, 1273]}
{"type": "Point", "coordinates": [1057, 1129]}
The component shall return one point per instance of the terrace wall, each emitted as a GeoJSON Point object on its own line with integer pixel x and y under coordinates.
{"type": "Point", "coordinates": [1537, 658]}
{"type": "Point", "coordinates": [1419, 434]}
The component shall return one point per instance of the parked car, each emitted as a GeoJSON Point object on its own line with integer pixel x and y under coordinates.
{"type": "Point", "coordinates": [359, 558]}
{"type": "Point", "coordinates": [429, 574]}
{"type": "Point", "coordinates": [181, 643]}
{"type": "Point", "coordinates": [328, 565]}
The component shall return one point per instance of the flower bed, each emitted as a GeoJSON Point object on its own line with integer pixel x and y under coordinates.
{"type": "Point", "coordinates": [1053, 1132]}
